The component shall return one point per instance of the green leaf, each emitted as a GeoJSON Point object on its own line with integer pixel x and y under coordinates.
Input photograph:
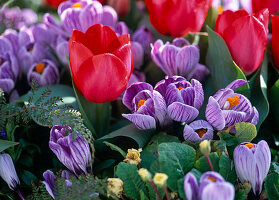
{"type": "Point", "coordinates": [28, 177]}
{"type": "Point", "coordinates": [131, 131]}
{"type": "Point", "coordinates": [246, 132]}
{"type": "Point", "coordinates": [181, 192]}
{"type": "Point", "coordinates": [96, 115]}
{"type": "Point", "coordinates": [176, 160]}
{"type": "Point", "coordinates": [5, 144]}
{"type": "Point", "coordinates": [274, 103]}
{"type": "Point", "coordinates": [115, 148]}
{"type": "Point", "coordinates": [133, 183]}
{"type": "Point", "coordinates": [272, 186]}
{"type": "Point", "coordinates": [258, 84]}
{"type": "Point", "coordinates": [275, 167]}
{"type": "Point", "coordinates": [241, 195]}
{"type": "Point", "coordinates": [223, 70]}
{"type": "Point", "coordinates": [227, 169]}
{"type": "Point", "coordinates": [202, 164]}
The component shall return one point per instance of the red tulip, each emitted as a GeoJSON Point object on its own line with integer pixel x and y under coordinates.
{"type": "Point", "coordinates": [101, 63]}
{"type": "Point", "coordinates": [177, 17]}
{"type": "Point", "coordinates": [122, 7]}
{"type": "Point", "coordinates": [245, 36]}
{"type": "Point", "coordinates": [272, 5]}
{"type": "Point", "coordinates": [275, 39]}
{"type": "Point", "coordinates": [54, 3]}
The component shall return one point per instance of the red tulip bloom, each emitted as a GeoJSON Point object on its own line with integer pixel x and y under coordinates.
{"type": "Point", "coordinates": [122, 7]}
{"type": "Point", "coordinates": [101, 63]}
{"type": "Point", "coordinates": [245, 36]}
{"type": "Point", "coordinates": [275, 39]}
{"type": "Point", "coordinates": [272, 5]}
{"type": "Point", "coordinates": [54, 3]}
{"type": "Point", "coordinates": [177, 17]}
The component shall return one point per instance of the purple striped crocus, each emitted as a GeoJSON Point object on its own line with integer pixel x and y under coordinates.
{"type": "Point", "coordinates": [226, 108]}
{"type": "Point", "coordinates": [73, 153]}
{"type": "Point", "coordinates": [212, 187]}
{"type": "Point", "coordinates": [148, 107]}
{"type": "Point", "coordinates": [179, 58]}
{"type": "Point", "coordinates": [252, 162]}
{"type": "Point", "coordinates": [183, 99]}
{"type": "Point", "coordinates": [198, 131]}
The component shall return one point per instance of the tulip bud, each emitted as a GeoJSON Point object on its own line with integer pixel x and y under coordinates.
{"type": "Point", "coordinates": [145, 174]}
{"type": "Point", "coordinates": [160, 179]}
{"type": "Point", "coordinates": [205, 147]}
{"type": "Point", "coordinates": [133, 156]}
{"type": "Point", "coordinates": [115, 187]}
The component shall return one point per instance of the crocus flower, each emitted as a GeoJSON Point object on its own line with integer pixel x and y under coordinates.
{"type": "Point", "coordinates": [45, 73]}
{"type": "Point", "coordinates": [122, 7]}
{"type": "Point", "coordinates": [212, 187]}
{"type": "Point", "coordinates": [137, 55]}
{"type": "Point", "coordinates": [226, 108]}
{"type": "Point", "coordinates": [183, 99]}
{"type": "Point", "coordinates": [168, 16]}
{"type": "Point", "coordinates": [222, 5]}
{"type": "Point", "coordinates": [73, 153]}
{"type": "Point", "coordinates": [275, 39]}
{"type": "Point", "coordinates": [9, 69]}
{"type": "Point", "coordinates": [105, 59]}
{"type": "Point", "coordinates": [144, 36]}
{"type": "Point", "coordinates": [148, 107]}
{"type": "Point", "coordinates": [239, 29]}
{"type": "Point", "coordinates": [272, 5]}
{"type": "Point", "coordinates": [178, 58]}
{"type": "Point", "coordinates": [252, 162]}
{"type": "Point", "coordinates": [198, 131]}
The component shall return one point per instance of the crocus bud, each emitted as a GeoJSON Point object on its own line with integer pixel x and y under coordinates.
{"type": "Point", "coordinates": [145, 174]}
{"type": "Point", "coordinates": [252, 162]}
{"type": "Point", "coordinates": [197, 131]}
{"type": "Point", "coordinates": [205, 147]}
{"type": "Point", "coordinates": [73, 153]}
{"type": "Point", "coordinates": [160, 179]}
{"type": "Point", "coordinates": [115, 187]}
{"type": "Point", "coordinates": [44, 72]}
{"type": "Point", "coordinates": [7, 171]}
{"type": "Point", "coordinates": [138, 55]}
{"type": "Point", "coordinates": [133, 156]}
{"type": "Point", "coordinates": [145, 37]}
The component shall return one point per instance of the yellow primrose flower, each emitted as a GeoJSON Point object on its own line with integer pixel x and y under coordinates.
{"type": "Point", "coordinates": [205, 147]}
{"type": "Point", "coordinates": [145, 174]}
{"type": "Point", "coordinates": [160, 179]}
{"type": "Point", "coordinates": [115, 187]}
{"type": "Point", "coordinates": [133, 156]}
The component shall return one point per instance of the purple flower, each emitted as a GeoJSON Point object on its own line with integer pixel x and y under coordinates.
{"type": "Point", "coordinates": [252, 162]}
{"type": "Point", "coordinates": [226, 108]}
{"type": "Point", "coordinates": [221, 5]}
{"type": "Point", "coordinates": [45, 73]}
{"type": "Point", "coordinates": [148, 107]}
{"type": "Point", "coordinates": [179, 58]}
{"type": "Point", "coordinates": [137, 52]}
{"type": "Point", "coordinates": [7, 171]}
{"type": "Point", "coordinates": [9, 69]}
{"type": "Point", "coordinates": [198, 131]}
{"type": "Point", "coordinates": [73, 153]}
{"type": "Point", "coordinates": [183, 98]}
{"type": "Point", "coordinates": [144, 36]}
{"type": "Point", "coordinates": [212, 187]}
{"type": "Point", "coordinates": [121, 28]}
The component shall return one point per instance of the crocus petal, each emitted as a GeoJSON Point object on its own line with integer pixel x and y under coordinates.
{"type": "Point", "coordinates": [200, 72]}
{"type": "Point", "coordinates": [199, 95]}
{"type": "Point", "coordinates": [162, 85]}
{"type": "Point", "coordinates": [168, 57]}
{"type": "Point", "coordinates": [233, 117]}
{"type": "Point", "coordinates": [218, 191]}
{"type": "Point", "coordinates": [7, 84]}
{"type": "Point", "coordinates": [190, 134]}
{"type": "Point", "coordinates": [180, 42]}
{"type": "Point", "coordinates": [173, 94]}
{"type": "Point", "coordinates": [109, 16]}
{"type": "Point", "coordinates": [191, 187]}
{"type": "Point", "coordinates": [236, 84]}
{"type": "Point", "coordinates": [143, 122]}
{"type": "Point", "coordinates": [160, 107]}
{"type": "Point", "coordinates": [49, 182]}
{"type": "Point", "coordinates": [181, 112]}
{"type": "Point", "coordinates": [214, 114]}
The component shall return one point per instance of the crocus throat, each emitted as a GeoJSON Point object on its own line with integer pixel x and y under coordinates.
{"type": "Point", "coordinates": [180, 88]}
{"type": "Point", "coordinates": [140, 103]}
{"type": "Point", "coordinates": [76, 5]}
{"type": "Point", "coordinates": [220, 9]}
{"type": "Point", "coordinates": [40, 68]}
{"type": "Point", "coordinates": [211, 179]}
{"type": "Point", "coordinates": [201, 132]}
{"type": "Point", "coordinates": [233, 101]}
{"type": "Point", "coordinates": [249, 145]}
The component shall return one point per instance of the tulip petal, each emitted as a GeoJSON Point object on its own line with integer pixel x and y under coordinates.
{"type": "Point", "coordinates": [275, 39]}
{"type": "Point", "coordinates": [181, 112]}
{"type": "Point", "coordinates": [143, 122]}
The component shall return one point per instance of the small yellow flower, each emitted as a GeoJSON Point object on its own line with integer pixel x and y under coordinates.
{"type": "Point", "coordinates": [133, 156]}
{"type": "Point", "coordinates": [145, 174]}
{"type": "Point", "coordinates": [115, 187]}
{"type": "Point", "coordinates": [205, 147]}
{"type": "Point", "coordinates": [160, 179]}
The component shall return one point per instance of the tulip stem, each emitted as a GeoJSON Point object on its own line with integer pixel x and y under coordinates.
{"type": "Point", "coordinates": [166, 192]}
{"type": "Point", "coordinates": [20, 195]}
{"type": "Point", "coordinates": [209, 162]}
{"type": "Point", "coordinates": [156, 190]}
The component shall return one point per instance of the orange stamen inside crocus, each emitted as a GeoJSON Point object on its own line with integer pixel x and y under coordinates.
{"type": "Point", "coordinates": [201, 132]}
{"type": "Point", "coordinates": [220, 9]}
{"type": "Point", "coordinates": [40, 68]}
{"type": "Point", "coordinates": [76, 5]}
{"type": "Point", "coordinates": [211, 179]}
{"type": "Point", "coordinates": [180, 88]}
{"type": "Point", "coordinates": [140, 103]}
{"type": "Point", "coordinates": [249, 145]}
{"type": "Point", "coordinates": [233, 101]}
